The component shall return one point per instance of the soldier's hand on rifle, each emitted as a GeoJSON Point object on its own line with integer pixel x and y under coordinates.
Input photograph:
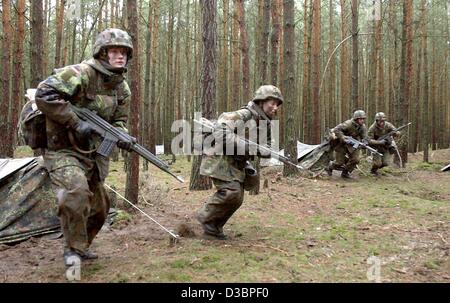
{"type": "Point", "coordinates": [83, 130]}
{"type": "Point", "coordinates": [345, 139]}
{"type": "Point", "coordinates": [126, 145]}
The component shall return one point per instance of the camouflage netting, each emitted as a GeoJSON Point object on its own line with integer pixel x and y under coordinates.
{"type": "Point", "coordinates": [27, 204]}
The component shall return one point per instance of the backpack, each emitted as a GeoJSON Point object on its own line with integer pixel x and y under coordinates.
{"type": "Point", "coordinates": [31, 127]}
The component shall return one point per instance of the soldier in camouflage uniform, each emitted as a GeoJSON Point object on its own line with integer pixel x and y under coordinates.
{"type": "Point", "coordinates": [346, 156]}
{"type": "Point", "coordinates": [228, 170]}
{"type": "Point", "coordinates": [76, 171]}
{"type": "Point", "coordinates": [386, 146]}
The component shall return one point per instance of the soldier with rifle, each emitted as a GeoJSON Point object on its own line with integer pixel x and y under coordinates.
{"type": "Point", "coordinates": [77, 172]}
{"type": "Point", "coordinates": [346, 141]}
{"type": "Point", "coordinates": [381, 137]}
{"type": "Point", "coordinates": [229, 165]}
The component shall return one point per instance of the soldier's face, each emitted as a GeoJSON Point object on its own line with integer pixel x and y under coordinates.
{"type": "Point", "coordinates": [361, 121]}
{"type": "Point", "coordinates": [270, 107]}
{"type": "Point", "coordinates": [380, 123]}
{"type": "Point", "coordinates": [117, 56]}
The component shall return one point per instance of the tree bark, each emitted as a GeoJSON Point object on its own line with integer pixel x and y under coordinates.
{"type": "Point", "coordinates": [289, 86]}
{"type": "Point", "coordinates": [209, 71]}
{"type": "Point", "coordinates": [132, 183]}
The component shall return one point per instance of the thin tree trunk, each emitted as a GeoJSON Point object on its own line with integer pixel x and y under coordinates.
{"type": "Point", "coordinates": [355, 56]}
{"type": "Point", "coordinates": [37, 43]}
{"type": "Point", "coordinates": [316, 115]}
{"type": "Point", "coordinates": [275, 41]}
{"type": "Point", "coordinates": [209, 71]}
{"type": "Point", "coordinates": [289, 85]}
{"type": "Point", "coordinates": [244, 51]}
{"type": "Point", "coordinates": [17, 85]}
{"type": "Point", "coordinates": [223, 67]}
{"type": "Point", "coordinates": [5, 147]}
{"type": "Point", "coordinates": [132, 183]}
{"type": "Point", "coordinates": [59, 31]}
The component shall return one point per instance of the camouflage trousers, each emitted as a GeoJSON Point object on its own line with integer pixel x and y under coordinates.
{"type": "Point", "coordinates": [222, 205]}
{"type": "Point", "coordinates": [345, 159]}
{"type": "Point", "coordinates": [380, 162]}
{"type": "Point", "coordinates": [83, 203]}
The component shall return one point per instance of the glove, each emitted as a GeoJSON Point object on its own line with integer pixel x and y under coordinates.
{"type": "Point", "coordinates": [126, 145]}
{"type": "Point", "coordinates": [83, 130]}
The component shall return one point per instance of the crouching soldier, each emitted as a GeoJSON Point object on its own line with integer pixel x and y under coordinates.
{"type": "Point", "coordinates": [385, 146]}
{"type": "Point", "coordinates": [346, 157]}
{"type": "Point", "coordinates": [76, 171]}
{"type": "Point", "coordinates": [231, 171]}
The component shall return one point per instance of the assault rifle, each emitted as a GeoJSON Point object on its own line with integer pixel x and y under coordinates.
{"type": "Point", "coordinates": [386, 136]}
{"type": "Point", "coordinates": [358, 144]}
{"type": "Point", "coordinates": [210, 126]}
{"type": "Point", "coordinates": [112, 135]}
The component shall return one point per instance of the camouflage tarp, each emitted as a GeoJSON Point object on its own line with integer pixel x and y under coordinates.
{"type": "Point", "coordinates": [311, 157]}
{"type": "Point", "coordinates": [27, 204]}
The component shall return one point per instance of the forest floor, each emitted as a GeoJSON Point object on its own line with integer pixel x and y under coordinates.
{"type": "Point", "coordinates": [324, 229]}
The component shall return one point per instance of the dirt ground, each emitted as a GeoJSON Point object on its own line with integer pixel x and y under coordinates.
{"type": "Point", "coordinates": [392, 228]}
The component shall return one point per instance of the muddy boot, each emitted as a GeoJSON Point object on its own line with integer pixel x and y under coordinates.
{"type": "Point", "coordinates": [374, 172]}
{"type": "Point", "coordinates": [345, 174]}
{"type": "Point", "coordinates": [211, 230]}
{"type": "Point", "coordinates": [329, 170]}
{"type": "Point", "coordinates": [89, 256]}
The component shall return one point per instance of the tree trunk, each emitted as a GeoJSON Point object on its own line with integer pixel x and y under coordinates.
{"type": "Point", "coordinates": [59, 31]}
{"type": "Point", "coordinates": [275, 41]}
{"type": "Point", "coordinates": [405, 78]}
{"type": "Point", "coordinates": [346, 108]}
{"type": "Point", "coordinates": [244, 51]}
{"type": "Point", "coordinates": [147, 118]}
{"type": "Point", "coordinates": [425, 118]}
{"type": "Point", "coordinates": [355, 56]}
{"type": "Point", "coordinates": [223, 67]}
{"type": "Point", "coordinates": [154, 52]}
{"type": "Point", "coordinates": [209, 71]}
{"type": "Point", "coordinates": [17, 84]}
{"type": "Point", "coordinates": [316, 115]}
{"type": "Point", "coordinates": [289, 86]}
{"type": "Point", "coordinates": [132, 183]}
{"type": "Point", "coordinates": [5, 147]}
{"type": "Point", "coordinates": [37, 43]}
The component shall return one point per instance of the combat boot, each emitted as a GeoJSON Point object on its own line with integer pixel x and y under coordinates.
{"type": "Point", "coordinates": [345, 174]}
{"type": "Point", "coordinates": [374, 172]}
{"type": "Point", "coordinates": [210, 230]}
{"type": "Point", "coordinates": [329, 170]}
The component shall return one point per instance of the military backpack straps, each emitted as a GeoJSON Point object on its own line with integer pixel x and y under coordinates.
{"type": "Point", "coordinates": [31, 126]}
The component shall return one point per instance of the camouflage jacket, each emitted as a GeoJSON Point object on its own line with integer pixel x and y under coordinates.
{"type": "Point", "coordinates": [352, 129]}
{"type": "Point", "coordinates": [375, 132]}
{"type": "Point", "coordinates": [228, 167]}
{"type": "Point", "coordinates": [89, 85]}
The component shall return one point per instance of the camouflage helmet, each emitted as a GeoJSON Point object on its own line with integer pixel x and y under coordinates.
{"type": "Point", "coordinates": [113, 37]}
{"type": "Point", "coordinates": [268, 91]}
{"type": "Point", "coordinates": [380, 116]}
{"type": "Point", "coordinates": [358, 114]}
